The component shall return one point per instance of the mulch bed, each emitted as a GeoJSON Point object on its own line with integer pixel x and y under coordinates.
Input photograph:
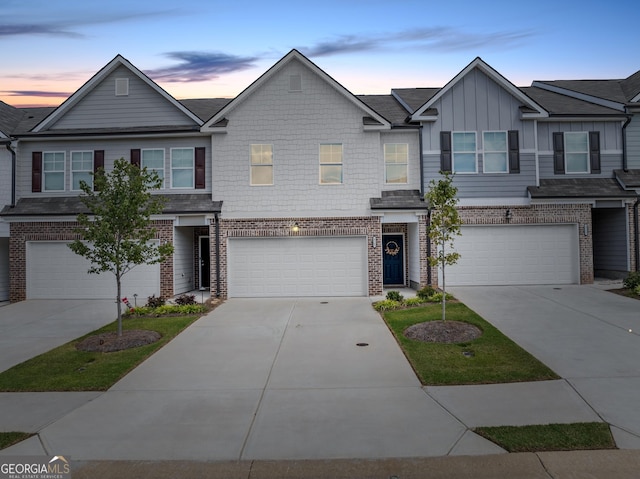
{"type": "Point", "coordinates": [110, 342]}
{"type": "Point", "coordinates": [443, 332]}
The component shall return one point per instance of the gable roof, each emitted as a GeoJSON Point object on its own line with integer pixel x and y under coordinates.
{"type": "Point", "coordinates": [388, 106]}
{"type": "Point", "coordinates": [557, 104]}
{"type": "Point", "coordinates": [374, 118]}
{"type": "Point", "coordinates": [413, 98]}
{"type": "Point", "coordinates": [117, 62]}
{"type": "Point", "coordinates": [9, 119]}
{"type": "Point", "coordinates": [532, 109]}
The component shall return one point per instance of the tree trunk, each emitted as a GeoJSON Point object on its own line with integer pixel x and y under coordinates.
{"type": "Point", "coordinates": [118, 299]}
{"type": "Point", "coordinates": [444, 290]}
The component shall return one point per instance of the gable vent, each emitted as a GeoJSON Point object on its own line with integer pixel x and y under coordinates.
{"type": "Point", "coordinates": [122, 86]}
{"type": "Point", "coordinates": [295, 82]}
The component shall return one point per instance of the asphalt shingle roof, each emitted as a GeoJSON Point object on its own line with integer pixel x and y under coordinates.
{"type": "Point", "coordinates": [558, 104]}
{"type": "Point", "coordinates": [414, 98]}
{"type": "Point", "coordinates": [579, 188]}
{"type": "Point", "coordinates": [399, 200]}
{"type": "Point", "coordinates": [387, 106]}
{"type": "Point", "coordinates": [73, 206]}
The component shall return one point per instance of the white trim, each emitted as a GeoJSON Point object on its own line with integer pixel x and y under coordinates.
{"type": "Point", "coordinates": [321, 164]}
{"type": "Point", "coordinates": [537, 153]}
{"type": "Point", "coordinates": [293, 55]}
{"type": "Point", "coordinates": [384, 160]}
{"type": "Point", "coordinates": [483, 151]}
{"type": "Point", "coordinates": [71, 170]}
{"type": "Point", "coordinates": [85, 89]}
{"type": "Point", "coordinates": [507, 201]}
{"type": "Point", "coordinates": [495, 76]}
{"type": "Point", "coordinates": [193, 168]}
{"type": "Point", "coordinates": [43, 188]}
{"type": "Point", "coordinates": [164, 164]}
{"type": "Point", "coordinates": [475, 152]}
{"type": "Point", "coordinates": [251, 165]}
{"type": "Point", "coordinates": [26, 139]}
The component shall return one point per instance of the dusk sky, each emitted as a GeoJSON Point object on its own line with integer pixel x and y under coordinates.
{"type": "Point", "coordinates": [210, 48]}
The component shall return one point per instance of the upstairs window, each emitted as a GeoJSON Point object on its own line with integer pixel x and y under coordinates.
{"type": "Point", "coordinates": [464, 152]}
{"type": "Point", "coordinates": [396, 160]}
{"type": "Point", "coordinates": [261, 165]}
{"type": "Point", "coordinates": [576, 151]}
{"type": "Point", "coordinates": [182, 168]}
{"type": "Point", "coordinates": [495, 157]}
{"type": "Point", "coordinates": [153, 160]}
{"type": "Point", "coordinates": [81, 169]}
{"type": "Point", "coordinates": [331, 164]}
{"type": "Point", "coordinates": [53, 170]}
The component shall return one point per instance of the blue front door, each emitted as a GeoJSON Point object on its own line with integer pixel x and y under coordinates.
{"type": "Point", "coordinates": [393, 259]}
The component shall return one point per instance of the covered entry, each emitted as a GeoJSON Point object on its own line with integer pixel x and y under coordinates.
{"type": "Point", "coordinates": [297, 266]}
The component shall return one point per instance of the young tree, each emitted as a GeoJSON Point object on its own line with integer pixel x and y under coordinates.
{"type": "Point", "coordinates": [444, 225]}
{"type": "Point", "coordinates": [116, 234]}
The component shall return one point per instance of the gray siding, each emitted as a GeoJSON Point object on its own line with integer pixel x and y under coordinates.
{"type": "Point", "coordinates": [610, 251]}
{"type": "Point", "coordinates": [113, 150]}
{"type": "Point", "coordinates": [610, 133]}
{"type": "Point", "coordinates": [101, 108]}
{"type": "Point", "coordinates": [633, 143]}
{"type": "Point", "coordinates": [5, 187]}
{"type": "Point", "coordinates": [488, 185]}
{"type": "Point", "coordinates": [183, 259]}
{"type": "Point", "coordinates": [608, 163]}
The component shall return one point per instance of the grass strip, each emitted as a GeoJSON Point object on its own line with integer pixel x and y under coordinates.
{"type": "Point", "coordinates": [550, 437]}
{"type": "Point", "coordinates": [10, 438]}
{"type": "Point", "coordinates": [491, 358]}
{"type": "Point", "coordinates": [67, 369]}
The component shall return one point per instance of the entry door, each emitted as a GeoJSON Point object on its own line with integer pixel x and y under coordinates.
{"type": "Point", "coordinates": [393, 259]}
{"type": "Point", "coordinates": [205, 262]}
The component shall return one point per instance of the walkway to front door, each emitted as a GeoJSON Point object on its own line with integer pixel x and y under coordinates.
{"type": "Point", "coordinates": [393, 259]}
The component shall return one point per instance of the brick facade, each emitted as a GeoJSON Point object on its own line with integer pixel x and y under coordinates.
{"type": "Point", "coordinates": [281, 228]}
{"type": "Point", "coordinates": [64, 231]}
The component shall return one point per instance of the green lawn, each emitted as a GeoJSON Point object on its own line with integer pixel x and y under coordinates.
{"type": "Point", "coordinates": [10, 438]}
{"type": "Point", "coordinates": [494, 357]}
{"type": "Point", "coordinates": [550, 437]}
{"type": "Point", "coordinates": [67, 369]}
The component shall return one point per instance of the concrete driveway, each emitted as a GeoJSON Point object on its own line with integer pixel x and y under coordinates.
{"type": "Point", "coordinates": [589, 336]}
{"type": "Point", "coordinates": [33, 327]}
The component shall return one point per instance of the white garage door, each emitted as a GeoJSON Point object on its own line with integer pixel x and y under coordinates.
{"type": "Point", "coordinates": [281, 267]}
{"type": "Point", "coordinates": [54, 271]}
{"type": "Point", "coordinates": [516, 254]}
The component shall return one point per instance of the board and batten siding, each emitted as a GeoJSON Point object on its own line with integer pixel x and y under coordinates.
{"type": "Point", "coordinates": [633, 142]}
{"type": "Point", "coordinates": [296, 123]}
{"type": "Point", "coordinates": [113, 149]}
{"type": "Point", "coordinates": [610, 133]}
{"type": "Point", "coordinates": [101, 108]}
{"type": "Point", "coordinates": [183, 260]}
{"type": "Point", "coordinates": [477, 103]}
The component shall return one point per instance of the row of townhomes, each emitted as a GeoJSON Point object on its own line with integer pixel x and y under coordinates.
{"type": "Point", "coordinates": [297, 187]}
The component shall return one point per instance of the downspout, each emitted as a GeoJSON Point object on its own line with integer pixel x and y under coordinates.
{"type": "Point", "coordinates": [217, 223]}
{"type": "Point", "coordinates": [635, 228]}
{"type": "Point", "coordinates": [13, 173]}
{"type": "Point", "coordinates": [625, 166]}
{"type": "Point", "coordinates": [422, 191]}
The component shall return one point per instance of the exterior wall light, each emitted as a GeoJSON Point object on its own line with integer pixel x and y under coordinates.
{"type": "Point", "coordinates": [374, 241]}
{"type": "Point", "coordinates": [295, 227]}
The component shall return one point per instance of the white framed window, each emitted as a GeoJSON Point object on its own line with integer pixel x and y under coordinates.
{"type": "Point", "coordinates": [261, 165]}
{"type": "Point", "coordinates": [81, 169]}
{"type": "Point", "coordinates": [182, 167]}
{"type": "Point", "coordinates": [153, 160]}
{"type": "Point", "coordinates": [331, 164]}
{"type": "Point", "coordinates": [122, 87]}
{"type": "Point", "coordinates": [396, 162]}
{"type": "Point", "coordinates": [495, 152]}
{"type": "Point", "coordinates": [464, 152]}
{"type": "Point", "coordinates": [53, 170]}
{"type": "Point", "coordinates": [576, 152]}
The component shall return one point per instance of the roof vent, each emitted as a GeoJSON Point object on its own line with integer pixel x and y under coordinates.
{"type": "Point", "coordinates": [295, 82]}
{"type": "Point", "coordinates": [122, 86]}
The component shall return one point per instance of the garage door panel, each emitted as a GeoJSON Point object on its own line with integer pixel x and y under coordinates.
{"type": "Point", "coordinates": [56, 272]}
{"type": "Point", "coordinates": [317, 266]}
{"type": "Point", "coordinates": [516, 254]}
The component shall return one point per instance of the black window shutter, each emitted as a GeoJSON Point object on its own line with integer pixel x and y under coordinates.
{"type": "Point", "coordinates": [445, 151]}
{"type": "Point", "coordinates": [135, 157]}
{"type": "Point", "coordinates": [514, 151]}
{"type": "Point", "coordinates": [200, 168]}
{"type": "Point", "coordinates": [36, 171]}
{"type": "Point", "coordinates": [594, 151]}
{"type": "Point", "coordinates": [98, 163]}
{"type": "Point", "coordinates": [558, 153]}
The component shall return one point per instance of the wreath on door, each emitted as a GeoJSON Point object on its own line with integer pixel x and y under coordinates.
{"type": "Point", "coordinates": [391, 248]}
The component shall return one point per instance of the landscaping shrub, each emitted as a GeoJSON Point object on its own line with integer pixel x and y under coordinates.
{"type": "Point", "coordinates": [387, 305]}
{"type": "Point", "coordinates": [412, 302]}
{"type": "Point", "coordinates": [426, 292]}
{"type": "Point", "coordinates": [632, 281]}
{"type": "Point", "coordinates": [167, 309]}
{"type": "Point", "coordinates": [185, 299]}
{"type": "Point", "coordinates": [395, 296]}
{"type": "Point", "coordinates": [637, 290]}
{"type": "Point", "coordinates": [154, 301]}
